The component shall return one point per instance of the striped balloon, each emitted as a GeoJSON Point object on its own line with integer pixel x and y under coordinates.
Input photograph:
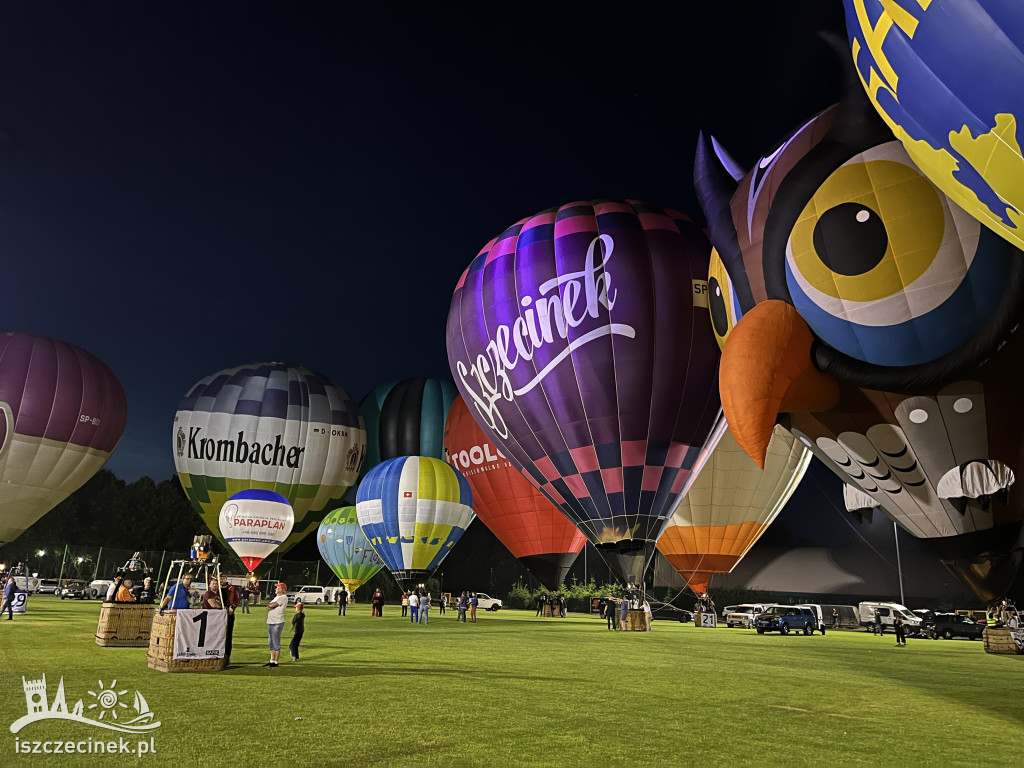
{"type": "Point", "coordinates": [270, 426]}
{"type": "Point", "coordinates": [730, 504]}
{"type": "Point", "coordinates": [346, 550]}
{"type": "Point", "coordinates": [406, 418]}
{"type": "Point", "coordinates": [62, 413]}
{"type": "Point", "coordinates": [414, 509]}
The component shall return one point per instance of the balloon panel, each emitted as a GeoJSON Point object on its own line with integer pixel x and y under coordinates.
{"type": "Point", "coordinates": [730, 504]}
{"type": "Point", "coordinates": [269, 426]}
{"type": "Point", "coordinates": [413, 509]}
{"type": "Point", "coordinates": [581, 341]}
{"type": "Point", "coordinates": [406, 418]}
{"type": "Point", "coordinates": [345, 548]}
{"type": "Point", "coordinates": [946, 80]}
{"type": "Point", "coordinates": [62, 413]}
{"type": "Point", "coordinates": [522, 518]}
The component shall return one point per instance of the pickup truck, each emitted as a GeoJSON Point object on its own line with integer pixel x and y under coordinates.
{"type": "Point", "coordinates": [784, 619]}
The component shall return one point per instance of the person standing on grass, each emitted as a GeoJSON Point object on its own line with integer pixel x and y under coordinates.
{"type": "Point", "coordinates": [648, 616]}
{"type": "Point", "coordinates": [900, 630]}
{"type": "Point", "coordinates": [623, 612]}
{"type": "Point", "coordinates": [8, 603]}
{"type": "Point", "coordinates": [609, 613]}
{"type": "Point", "coordinates": [414, 607]}
{"type": "Point", "coordinates": [474, 601]}
{"type": "Point", "coordinates": [463, 607]}
{"type": "Point", "coordinates": [540, 604]}
{"type": "Point", "coordinates": [229, 599]}
{"type": "Point", "coordinates": [377, 603]}
{"type": "Point", "coordinates": [298, 629]}
{"type": "Point", "coordinates": [275, 623]}
{"type": "Point", "coordinates": [424, 608]}
{"type": "Point", "coordinates": [835, 619]}
{"type": "Point", "coordinates": [442, 603]}
{"type": "Point", "coordinates": [879, 629]}
{"type": "Point", "coordinates": [342, 601]}
{"type": "Point", "coordinates": [405, 604]}
{"type": "Point", "coordinates": [245, 599]}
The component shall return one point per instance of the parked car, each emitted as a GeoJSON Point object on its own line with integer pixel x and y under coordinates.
{"type": "Point", "coordinates": [668, 611]}
{"type": "Point", "coordinates": [888, 612]}
{"type": "Point", "coordinates": [48, 587]}
{"type": "Point", "coordinates": [785, 619]}
{"type": "Point", "coordinates": [487, 603]}
{"type": "Point", "coordinates": [98, 588]}
{"type": "Point", "coordinates": [78, 590]}
{"type": "Point", "coordinates": [950, 625]}
{"type": "Point", "coordinates": [743, 615]}
{"type": "Point", "coordinates": [307, 594]}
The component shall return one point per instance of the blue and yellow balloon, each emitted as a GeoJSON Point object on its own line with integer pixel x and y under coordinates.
{"type": "Point", "coordinates": [413, 509]}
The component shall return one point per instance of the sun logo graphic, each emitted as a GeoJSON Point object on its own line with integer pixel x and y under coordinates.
{"type": "Point", "coordinates": [114, 714]}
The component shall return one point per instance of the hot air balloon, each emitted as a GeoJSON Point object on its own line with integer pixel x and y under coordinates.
{"type": "Point", "coordinates": [406, 418]}
{"type": "Point", "coordinates": [729, 505]}
{"type": "Point", "coordinates": [62, 413]}
{"type": "Point", "coordinates": [945, 77]}
{"type": "Point", "coordinates": [346, 550]}
{"type": "Point", "coordinates": [272, 426]}
{"type": "Point", "coordinates": [523, 519]}
{"type": "Point", "coordinates": [878, 318]}
{"type": "Point", "coordinates": [413, 509]}
{"type": "Point", "coordinates": [254, 523]}
{"type": "Point", "coordinates": [581, 341]}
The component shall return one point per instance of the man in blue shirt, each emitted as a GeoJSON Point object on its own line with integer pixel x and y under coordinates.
{"type": "Point", "coordinates": [177, 596]}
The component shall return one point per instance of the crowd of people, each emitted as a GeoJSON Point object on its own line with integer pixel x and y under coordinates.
{"type": "Point", "coordinates": [555, 602]}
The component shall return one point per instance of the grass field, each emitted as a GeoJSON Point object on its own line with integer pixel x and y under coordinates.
{"type": "Point", "coordinates": [516, 690]}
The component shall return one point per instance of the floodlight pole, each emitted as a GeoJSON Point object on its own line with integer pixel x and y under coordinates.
{"type": "Point", "coordinates": [899, 566]}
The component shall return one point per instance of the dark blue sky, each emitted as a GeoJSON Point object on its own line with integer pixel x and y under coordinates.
{"type": "Point", "coordinates": [190, 186]}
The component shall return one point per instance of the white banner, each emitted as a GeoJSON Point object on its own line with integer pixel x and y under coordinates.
{"type": "Point", "coordinates": [200, 634]}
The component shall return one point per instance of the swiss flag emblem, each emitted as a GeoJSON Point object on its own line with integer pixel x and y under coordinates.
{"type": "Point", "coordinates": [407, 494]}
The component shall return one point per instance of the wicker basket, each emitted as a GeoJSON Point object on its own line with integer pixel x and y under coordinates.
{"type": "Point", "coordinates": [125, 625]}
{"type": "Point", "coordinates": [1004, 640]}
{"type": "Point", "coordinates": [636, 620]}
{"type": "Point", "coordinates": [161, 650]}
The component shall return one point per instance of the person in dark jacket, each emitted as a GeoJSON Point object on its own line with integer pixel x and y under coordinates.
{"type": "Point", "coordinates": [298, 629]}
{"type": "Point", "coordinates": [342, 601]}
{"type": "Point", "coordinates": [901, 631]}
{"type": "Point", "coordinates": [377, 604]}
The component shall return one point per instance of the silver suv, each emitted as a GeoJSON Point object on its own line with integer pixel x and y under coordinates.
{"type": "Point", "coordinates": [744, 615]}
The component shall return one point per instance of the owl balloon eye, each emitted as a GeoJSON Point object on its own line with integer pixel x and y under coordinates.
{"type": "Point", "coordinates": [724, 306]}
{"type": "Point", "coordinates": [850, 239]}
{"type": "Point", "coordinates": [885, 268]}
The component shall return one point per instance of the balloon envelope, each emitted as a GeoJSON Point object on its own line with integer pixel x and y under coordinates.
{"type": "Point", "coordinates": [729, 506]}
{"type": "Point", "coordinates": [346, 550]}
{"type": "Point", "coordinates": [62, 413]}
{"type": "Point", "coordinates": [522, 518]}
{"type": "Point", "coordinates": [581, 341]}
{"type": "Point", "coordinates": [946, 79]}
{"type": "Point", "coordinates": [406, 418]}
{"type": "Point", "coordinates": [413, 509]}
{"type": "Point", "coordinates": [254, 523]}
{"type": "Point", "coordinates": [272, 426]}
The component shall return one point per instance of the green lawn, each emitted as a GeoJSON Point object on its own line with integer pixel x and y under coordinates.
{"type": "Point", "coordinates": [516, 690]}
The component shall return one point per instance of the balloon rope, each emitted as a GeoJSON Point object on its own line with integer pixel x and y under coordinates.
{"type": "Point", "coordinates": [846, 519]}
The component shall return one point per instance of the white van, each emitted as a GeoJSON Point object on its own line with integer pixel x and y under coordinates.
{"type": "Point", "coordinates": [306, 595]}
{"type": "Point", "coordinates": [887, 612]}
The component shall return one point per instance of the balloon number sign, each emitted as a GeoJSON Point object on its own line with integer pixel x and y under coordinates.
{"type": "Point", "coordinates": [255, 523]}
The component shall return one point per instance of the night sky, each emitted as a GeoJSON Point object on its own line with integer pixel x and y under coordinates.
{"type": "Point", "coordinates": [187, 187]}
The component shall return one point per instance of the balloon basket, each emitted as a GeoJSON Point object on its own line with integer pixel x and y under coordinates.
{"type": "Point", "coordinates": [125, 625]}
{"type": "Point", "coordinates": [636, 620]}
{"type": "Point", "coordinates": [550, 612]}
{"type": "Point", "coordinates": [1004, 640]}
{"type": "Point", "coordinates": [161, 650]}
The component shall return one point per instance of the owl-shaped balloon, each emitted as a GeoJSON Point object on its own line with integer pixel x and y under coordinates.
{"type": "Point", "coordinates": [860, 306]}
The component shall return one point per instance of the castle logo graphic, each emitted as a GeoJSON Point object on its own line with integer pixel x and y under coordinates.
{"type": "Point", "coordinates": [106, 704]}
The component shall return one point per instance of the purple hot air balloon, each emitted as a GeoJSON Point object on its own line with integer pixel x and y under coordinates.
{"type": "Point", "coordinates": [581, 340]}
{"type": "Point", "coordinates": [62, 412]}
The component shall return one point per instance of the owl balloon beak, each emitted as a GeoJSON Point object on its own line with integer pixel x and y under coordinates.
{"type": "Point", "coordinates": [767, 369]}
